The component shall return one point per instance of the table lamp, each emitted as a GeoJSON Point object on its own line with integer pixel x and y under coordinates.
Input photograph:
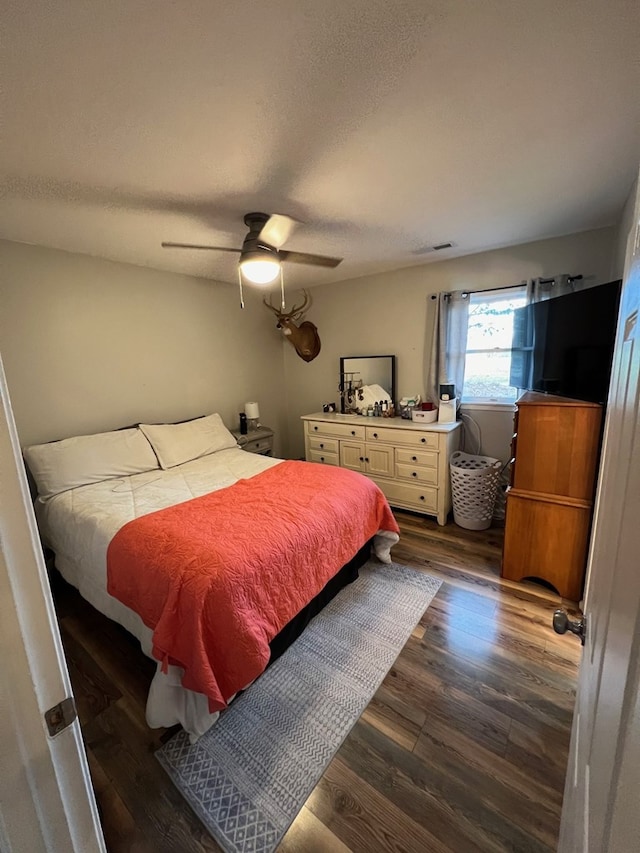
{"type": "Point", "coordinates": [252, 412]}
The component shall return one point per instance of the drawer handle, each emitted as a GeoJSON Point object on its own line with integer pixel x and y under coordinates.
{"type": "Point", "coordinates": [322, 458]}
{"type": "Point", "coordinates": [423, 440]}
{"type": "Point", "coordinates": [366, 458]}
{"type": "Point", "coordinates": [321, 446]}
{"type": "Point", "coordinates": [353, 432]}
{"type": "Point", "coordinates": [316, 428]}
{"type": "Point", "coordinates": [421, 497]}
{"type": "Point", "coordinates": [375, 435]}
{"type": "Point", "coordinates": [362, 458]}
{"type": "Point", "coordinates": [413, 474]}
{"type": "Point", "coordinates": [414, 458]}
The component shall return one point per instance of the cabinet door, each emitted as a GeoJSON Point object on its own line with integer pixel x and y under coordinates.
{"type": "Point", "coordinates": [379, 460]}
{"type": "Point", "coordinates": [352, 455]}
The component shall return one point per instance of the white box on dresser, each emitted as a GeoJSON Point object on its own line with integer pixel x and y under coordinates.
{"type": "Point", "coordinates": [408, 460]}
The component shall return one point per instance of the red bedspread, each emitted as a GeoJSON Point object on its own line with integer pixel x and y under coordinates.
{"type": "Point", "coordinates": [217, 577]}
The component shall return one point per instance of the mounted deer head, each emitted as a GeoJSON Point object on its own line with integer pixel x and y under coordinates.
{"type": "Point", "coordinates": [303, 337]}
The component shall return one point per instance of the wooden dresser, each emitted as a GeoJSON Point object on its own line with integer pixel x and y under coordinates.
{"type": "Point", "coordinates": [555, 453]}
{"type": "Point", "coordinates": [409, 462]}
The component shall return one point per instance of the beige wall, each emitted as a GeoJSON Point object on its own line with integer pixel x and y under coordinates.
{"type": "Point", "coordinates": [496, 431]}
{"type": "Point", "coordinates": [91, 345]}
{"type": "Point", "coordinates": [387, 313]}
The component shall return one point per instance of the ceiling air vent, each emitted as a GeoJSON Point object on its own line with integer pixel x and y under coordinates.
{"type": "Point", "coordinates": [437, 248]}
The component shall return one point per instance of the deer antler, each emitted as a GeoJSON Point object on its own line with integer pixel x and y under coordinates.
{"type": "Point", "coordinates": [296, 312]}
{"type": "Point", "coordinates": [273, 308]}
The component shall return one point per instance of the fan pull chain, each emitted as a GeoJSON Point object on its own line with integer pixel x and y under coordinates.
{"type": "Point", "coordinates": [240, 283]}
{"type": "Point", "coordinates": [282, 289]}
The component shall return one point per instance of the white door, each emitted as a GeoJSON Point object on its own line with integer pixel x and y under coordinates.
{"type": "Point", "coordinates": [601, 811]}
{"type": "Point", "coordinates": [46, 798]}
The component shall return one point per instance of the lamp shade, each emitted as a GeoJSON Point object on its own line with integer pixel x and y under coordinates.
{"type": "Point", "coordinates": [252, 410]}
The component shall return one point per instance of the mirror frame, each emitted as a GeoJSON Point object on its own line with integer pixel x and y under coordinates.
{"type": "Point", "coordinates": [392, 392]}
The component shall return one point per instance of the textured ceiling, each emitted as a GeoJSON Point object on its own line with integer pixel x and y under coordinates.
{"type": "Point", "coordinates": [384, 126]}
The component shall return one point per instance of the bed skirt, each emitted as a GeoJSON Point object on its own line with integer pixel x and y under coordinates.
{"type": "Point", "coordinates": [292, 630]}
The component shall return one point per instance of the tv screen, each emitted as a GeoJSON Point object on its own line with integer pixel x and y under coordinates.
{"type": "Point", "coordinates": [564, 345]}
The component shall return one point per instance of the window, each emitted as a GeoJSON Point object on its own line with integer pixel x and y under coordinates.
{"type": "Point", "coordinates": [489, 339]}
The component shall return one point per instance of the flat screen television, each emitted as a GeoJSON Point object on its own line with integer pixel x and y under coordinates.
{"type": "Point", "coordinates": [564, 345]}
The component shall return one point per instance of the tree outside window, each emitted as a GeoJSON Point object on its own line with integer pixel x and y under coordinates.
{"type": "Point", "coordinates": [489, 344]}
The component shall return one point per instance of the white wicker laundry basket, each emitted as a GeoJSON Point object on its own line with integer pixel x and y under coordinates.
{"type": "Point", "coordinates": [474, 486]}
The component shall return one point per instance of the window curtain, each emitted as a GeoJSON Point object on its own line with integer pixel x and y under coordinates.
{"type": "Point", "coordinates": [449, 319]}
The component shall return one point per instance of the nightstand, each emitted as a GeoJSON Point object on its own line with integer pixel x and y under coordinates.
{"type": "Point", "coordinates": [256, 440]}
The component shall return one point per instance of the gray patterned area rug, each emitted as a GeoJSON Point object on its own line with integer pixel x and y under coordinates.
{"type": "Point", "coordinates": [250, 774]}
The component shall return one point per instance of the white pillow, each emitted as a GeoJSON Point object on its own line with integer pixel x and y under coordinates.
{"type": "Point", "coordinates": [62, 465]}
{"type": "Point", "coordinates": [178, 443]}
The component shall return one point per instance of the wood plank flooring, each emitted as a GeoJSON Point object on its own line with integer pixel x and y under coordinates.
{"type": "Point", "coordinates": [463, 748]}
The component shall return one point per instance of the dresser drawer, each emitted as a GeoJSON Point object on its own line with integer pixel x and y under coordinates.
{"type": "Point", "coordinates": [399, 437]}
{"type": "Point", "coordinates": [335, 429]}
{"type": "Point", "coordinates": [417, 457]}
{"type": "Point", "coordinates": [262, 446]}
{"type": "Point", "coordinates": [324, 458]}
{"type": "Point", "coordinates": [417, 474]}
{"type": "Point", "coordinates": [422, 498]}
{"type": "Point", "coordinates": [320, 442]}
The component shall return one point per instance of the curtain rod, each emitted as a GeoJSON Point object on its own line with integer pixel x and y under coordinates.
{"type": "Point", "coordinates": [570, 279]}
{"type": "Point", "coordinates": [485, 290]}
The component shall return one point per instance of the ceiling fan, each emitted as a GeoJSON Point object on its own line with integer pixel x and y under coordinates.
{"type": "Point", "coordinates": [261, 255]}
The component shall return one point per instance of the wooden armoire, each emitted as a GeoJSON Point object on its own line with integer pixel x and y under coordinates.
{"type": "Point", "coordinates": [555, 453]}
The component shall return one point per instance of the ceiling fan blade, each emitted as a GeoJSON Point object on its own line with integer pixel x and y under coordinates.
{"type": "Point", "coordinates": [277, 230]}
{"type": "Point", "coordinates": [192, 246]}
{"type": "Point", "coordinates": [312, 260]}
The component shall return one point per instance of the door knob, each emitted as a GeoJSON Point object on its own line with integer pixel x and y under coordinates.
{"type": "Point", "coordinates": [562, 624]}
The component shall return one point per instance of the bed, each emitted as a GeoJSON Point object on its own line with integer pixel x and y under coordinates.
{"type": "Point", "coordinates": [112, 508]}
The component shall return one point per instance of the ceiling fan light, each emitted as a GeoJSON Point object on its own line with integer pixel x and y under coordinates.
{"type": "Point", "coordinates": [260, 269]}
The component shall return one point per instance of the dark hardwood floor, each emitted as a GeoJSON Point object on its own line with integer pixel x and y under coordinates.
{"type": "Point", "coordinates": [463, 748]}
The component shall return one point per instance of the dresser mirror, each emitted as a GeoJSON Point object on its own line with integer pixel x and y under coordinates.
{"type": "Point", "coordinates": [359, 371]}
